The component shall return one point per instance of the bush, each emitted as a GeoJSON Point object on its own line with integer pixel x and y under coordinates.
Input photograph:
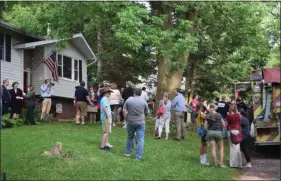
{"type": "Point", "coordinates": [37, 114]}
{"type": "Point", "coordinates": [8, 122]}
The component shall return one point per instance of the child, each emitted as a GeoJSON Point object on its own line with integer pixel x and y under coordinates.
{"type": "Point", "coordinates": [106, 119]}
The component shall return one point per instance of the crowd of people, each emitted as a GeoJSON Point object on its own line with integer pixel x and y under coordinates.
{"type": "Point", "coordinates": [213, 121]}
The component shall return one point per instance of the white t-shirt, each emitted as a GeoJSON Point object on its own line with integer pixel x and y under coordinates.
{"type": "Point", "coordinates": [144, 96]}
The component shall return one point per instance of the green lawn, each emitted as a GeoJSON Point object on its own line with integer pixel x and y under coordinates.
{"type": "Point", "coordinates": [163, 160]}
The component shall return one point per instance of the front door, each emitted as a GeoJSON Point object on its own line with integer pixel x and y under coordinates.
{"type": "Point", "coordinates": [26, 80]}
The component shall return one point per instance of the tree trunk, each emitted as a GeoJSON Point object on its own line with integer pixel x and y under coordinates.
{"type": "Point", "coordinates": [190, 64]}
{"type": "Point", "coordinates": [164, 62]}
{"type": "Point", "coordinates": [99, 51]}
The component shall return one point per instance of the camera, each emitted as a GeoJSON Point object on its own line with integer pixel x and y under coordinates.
{"type": "Point", "coordinates": [52, 84]}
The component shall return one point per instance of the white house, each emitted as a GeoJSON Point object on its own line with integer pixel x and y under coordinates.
{"type": "Point", "coordinates": [22, 60]}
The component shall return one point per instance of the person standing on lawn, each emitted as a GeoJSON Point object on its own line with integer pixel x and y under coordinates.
{"type": "Point", "coordinates": [179, 106]}
{"type": "Point", "coordinates": [5, 97]}
{"type": "Point", "coordinates": [126, 94]}
{"type": "Point", "coordinates": [164, 120]}
{"type": "Point", "coordinates": [245, 126]}
{"type": "Point", "coordinates": [92, 110]}
{"type": "Point", "coordinates": [134, 111]}
{"type": "Point", "coordinates": [144, 94]}
{"type": "Point", "coordinates": [223, 108]}
{"type": "Point", "coordinates": [193, 103]}
{"type": "Point", "coordinates": [30, 97]}
{"type": "Point", "coordinates": [233, 127]}
{"type": "Point", "coordinates": [16, 100]}
{"type": "Point", "coordinates": [82, 99]}
{"type": "Point", "coordinates": [114, 101]}
{"type": "Point", "coordinates": [106, 118]}
{"type": "Point", "coordinates": [214, 124]}
{"type": "Point", "coordinates": [200, 115]}
{"type": "Point", "coordinates": [46, 95]}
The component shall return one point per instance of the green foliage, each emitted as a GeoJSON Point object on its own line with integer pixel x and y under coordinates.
{"type": "Point", "coordinates": [8, 122]}
{"type": "Point", "coordinates": [229, 38]}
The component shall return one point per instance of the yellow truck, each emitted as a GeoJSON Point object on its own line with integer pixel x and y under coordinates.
{"type": "Point", "coordinates": [264, 86]}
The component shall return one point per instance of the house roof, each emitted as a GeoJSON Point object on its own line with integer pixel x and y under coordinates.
{"type": "Point", "coordinates": [271, 75]}
{"type": "Point", "coordinates": [17, 30]}
{"type": "Point", "coordinates": [78, 40]}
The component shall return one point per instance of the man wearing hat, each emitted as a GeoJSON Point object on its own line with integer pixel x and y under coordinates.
{"type": "Point", "coordinates": [106, 118]}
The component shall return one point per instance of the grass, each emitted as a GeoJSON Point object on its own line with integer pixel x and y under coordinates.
{"type": "Point", "coordinates": [163, 160]}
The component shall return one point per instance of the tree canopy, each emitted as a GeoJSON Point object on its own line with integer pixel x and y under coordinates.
{"type": "Point", "coordinates": [212, 44]}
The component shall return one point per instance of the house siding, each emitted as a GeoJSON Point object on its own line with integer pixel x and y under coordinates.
{"type": "Point", "coordinates": [64, 87]}
{"type": "Point", "coordinates": [38, 77]}
{"type": "Point", "coordinates": [13, 70]}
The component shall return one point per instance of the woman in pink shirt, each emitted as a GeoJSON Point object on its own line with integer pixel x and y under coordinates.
{"type": "Point", "coordinates": [194, 103]}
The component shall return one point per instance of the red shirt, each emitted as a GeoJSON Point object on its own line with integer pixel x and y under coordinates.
{"type": "Point", "coordinates": [194, 102]}
{"type": "Point", "coordinates": [233, 121]}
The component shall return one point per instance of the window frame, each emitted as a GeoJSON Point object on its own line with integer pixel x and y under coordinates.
{"type": "Point", "coordinates": [76, 70]}
{"type": "Point", "coordinates": [4, 48]}
{"type": "Point", "coordinates": [73, 59]}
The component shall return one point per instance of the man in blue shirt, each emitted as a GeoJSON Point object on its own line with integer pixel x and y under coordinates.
{"type": "Point", "coordinates": [106, 118]}
{"type": "Point", "coordinates": [179, 106]}
{"type": "Point", "coordinates": [45, 92]}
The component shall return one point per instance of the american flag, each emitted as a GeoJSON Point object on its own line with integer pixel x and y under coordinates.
{"type": "Point", "coordinates": [52, 64]}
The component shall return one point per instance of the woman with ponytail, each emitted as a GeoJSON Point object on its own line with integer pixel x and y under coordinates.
{"type": "Point", "coordinates": [214, 125]}
{"type": "Point", "coordinates": [234, 127]}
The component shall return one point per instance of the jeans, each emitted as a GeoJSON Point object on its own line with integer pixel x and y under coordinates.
{"type": "Point", "coordinates": [244, 145]}
{"type": "Point", "coordinates": [30, 115]}
{"type": "Point", "coordinates": [192, 117]}
{"type": "Point", "coordinates": [140, 131]}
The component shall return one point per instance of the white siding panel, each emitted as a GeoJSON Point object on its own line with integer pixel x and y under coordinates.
{"type": "Point", "coordinates": [65, 87]}
{"type": "Point", "coordinates": [38, 76]}
{"type": "Point", "coordinates": [13, 70]}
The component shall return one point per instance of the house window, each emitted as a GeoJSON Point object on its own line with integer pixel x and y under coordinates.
{"type": "Point", "coordinates": [76, 70]}
{"type": "Point", "coordinates": [69, 67]}
{"type": "Point", "coordinates": [59, 65]}
{"type": "Point", "coordinates": [5, 47]}
{"type": "Point", "coordinates": [2, 50]}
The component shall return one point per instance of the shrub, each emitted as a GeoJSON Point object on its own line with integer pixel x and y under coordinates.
{"type": "Point", "coordinates": [37, 114]}
{"type": "Point", "coordinates": [8, 122]}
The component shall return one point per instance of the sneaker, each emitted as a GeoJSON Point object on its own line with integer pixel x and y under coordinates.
{"type": "Point", "coordinates": [249, 165]}
{"type": "Point", "coordinates": [158, 137]}
{"type": "Point", "coordinates": [127, 155]}
{"type": "Point", "coordinates": [205, 163]}
{"type": "Point", "coordinates": [109, 145]}
{"type": "Point", "coordinates": [103, 148]}
{"type": "Point", "coordinates": [82, 123]}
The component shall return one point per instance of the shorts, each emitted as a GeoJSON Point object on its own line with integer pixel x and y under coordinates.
{"type": "Point", "coordinates": [214, 135]}
{"type": "Point", "coordinates": [106, 125]}
{"type": "Point", "coordinates": [82, 108]}
{"type": "Point", "coordinates": [204, 138]}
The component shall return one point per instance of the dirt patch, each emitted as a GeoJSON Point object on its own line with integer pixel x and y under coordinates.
{"type": "Point", "coordinates": [263, 169]}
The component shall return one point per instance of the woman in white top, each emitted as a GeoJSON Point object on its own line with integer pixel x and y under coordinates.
{"type": "Point", "coordinates": [92, 110]}
{"type": "Point", "coordinates": [114, 101]}
{"type": "Point", "coordinates": [164, 120]}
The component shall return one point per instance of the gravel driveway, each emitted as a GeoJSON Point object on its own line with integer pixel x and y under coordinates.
{"type": "Point", "coordinates": [266, 166]}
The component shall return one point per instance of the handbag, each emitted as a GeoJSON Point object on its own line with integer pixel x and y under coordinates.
{"type": "Point", "coordinates": [160, 110]}
{"type": "Point", "coordinates": [236, 139]}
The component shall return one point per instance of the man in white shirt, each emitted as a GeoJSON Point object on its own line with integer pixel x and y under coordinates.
{"type": "Point", "coordinates": [45, 92]}
{"type": "Point", "coordinates": [144, 95]}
